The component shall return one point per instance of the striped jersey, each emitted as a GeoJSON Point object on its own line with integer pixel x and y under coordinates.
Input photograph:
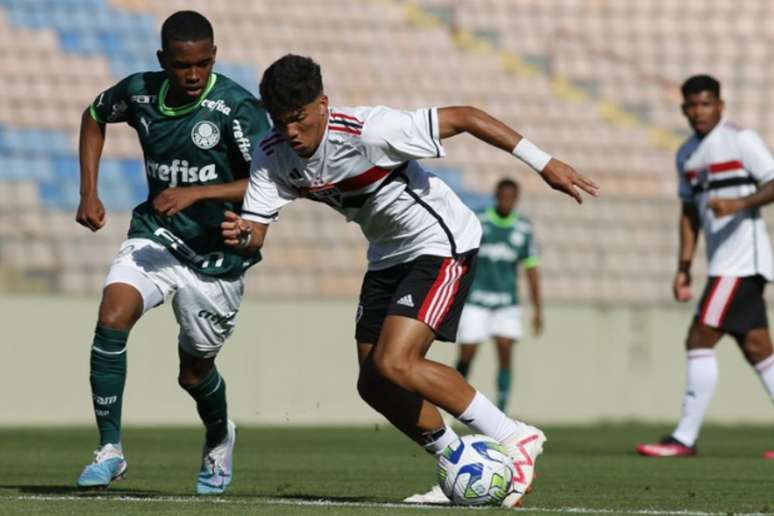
{"type": "Point", "coordinates": [729, 162]}
{"type": "Point", "coordinates": [365, 169]}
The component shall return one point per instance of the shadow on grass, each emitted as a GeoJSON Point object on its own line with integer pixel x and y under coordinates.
{"type": "Point", "coordinates": [72, 490]}
{"type": "Point", "coordinates": [67, 490]}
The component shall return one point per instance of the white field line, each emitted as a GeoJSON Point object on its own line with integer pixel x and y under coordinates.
{"type": "Point", "coordinates": [333, 503]}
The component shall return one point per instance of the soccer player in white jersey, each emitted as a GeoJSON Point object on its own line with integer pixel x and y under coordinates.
{"type": "Point", "coordinates": [422, 242]}
{"type": "Point", "coordinates": [725, 175]}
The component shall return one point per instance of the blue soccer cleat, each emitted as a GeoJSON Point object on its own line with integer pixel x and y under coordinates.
{"type": "Point", "coordinates": [216, 472]}
{"type": "Point", "coordinates": [109, 464]}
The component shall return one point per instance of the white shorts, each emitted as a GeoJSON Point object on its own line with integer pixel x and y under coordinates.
{"type": "Point", "coordinates": [205, 307]}
{"type": "Point", "coordinates": [479, 324]}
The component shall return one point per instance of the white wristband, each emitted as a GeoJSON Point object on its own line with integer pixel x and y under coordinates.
{"type": "Point", "coordinates": [531, 154]}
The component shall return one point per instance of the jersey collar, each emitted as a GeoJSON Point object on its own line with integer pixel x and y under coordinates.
{"type": "Point", "coordinates": [187, 108]}
{"type": "Point", "coordinates": [501, 222]}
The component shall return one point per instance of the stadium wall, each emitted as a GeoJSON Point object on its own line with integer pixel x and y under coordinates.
{"type": "Point", "coordinates": [293, 363]}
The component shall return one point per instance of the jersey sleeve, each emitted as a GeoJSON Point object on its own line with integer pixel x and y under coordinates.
{"type": "Point", "coordinates": [530, 250]}
{"type": "Point", "coordinates": [248, 125]}
{"type": "Point", "coordinates": [265, 195]}
{"type": "Point", "coordinates": [111, 106]}
{"type": "Point", "coordinates": [756, 157]}
{"type": "Point", "coordinates": [392, 137]}
{"type": "Point", "coordinates": [684, 190]}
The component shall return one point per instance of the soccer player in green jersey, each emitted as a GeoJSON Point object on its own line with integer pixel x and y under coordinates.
{"type": "Point", "coordinates": [196, 130]}
{"type": "Point", "coordinates": [492, 309]}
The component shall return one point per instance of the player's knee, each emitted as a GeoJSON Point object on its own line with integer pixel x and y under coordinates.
{"type": "Point", "coordinates": [115, 317]}
{"type": "Point", "coordinates": [187, 380]}
{"type": "Point", "coordinates": [394, 368]}
{"type": "Point", "coordinates": [696, 339]}
{"type": "Point", "coordinates": [755, 351]}
{"type": "Point", "coordinates": [192, 376]}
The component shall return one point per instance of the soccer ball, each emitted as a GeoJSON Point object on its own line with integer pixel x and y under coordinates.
{"type": "Point", "coordinates": [475, 470]}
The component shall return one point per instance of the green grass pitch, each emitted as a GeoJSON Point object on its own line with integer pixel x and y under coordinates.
{"type": "Point", "coordinates": [359, 471]}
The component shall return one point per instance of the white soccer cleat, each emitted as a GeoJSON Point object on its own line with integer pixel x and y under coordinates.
{"type": "Point", "coordinates": [434, 496]}
{"type": "Point", "coordinates": [217, 465]}
{"type": "Point", "coordinates": [523, 446]}
{"type": "Point", "coordinates": [109, 465]}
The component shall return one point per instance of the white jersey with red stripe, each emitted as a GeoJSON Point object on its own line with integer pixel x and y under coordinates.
{"type": "Point", "coordinates": [365, 169]}
{"type": "Point", "coordinates": [729, 162]}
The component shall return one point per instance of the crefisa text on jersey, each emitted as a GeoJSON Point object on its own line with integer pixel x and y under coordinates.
{"type": "Point", "coordinates": [216, 105]}
{"type": "Point", "coordinates": [179, 172]}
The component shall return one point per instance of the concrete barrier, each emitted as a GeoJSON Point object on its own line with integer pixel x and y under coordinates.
{"type": "Point", "coordinates": [294, 362]}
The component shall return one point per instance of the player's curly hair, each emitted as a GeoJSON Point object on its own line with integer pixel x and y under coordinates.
{"type": "Point", "coordinates": [698, 83]}
{"type": "Point", "coordinates": [185, 26]}
{"type": "Point", "coordinates": [290, 83]}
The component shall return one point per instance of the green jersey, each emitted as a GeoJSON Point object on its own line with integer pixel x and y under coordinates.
{"type": "Point", "coordinates": [506, 242]}
{"type": "Point", "coordinates": [206, 142]}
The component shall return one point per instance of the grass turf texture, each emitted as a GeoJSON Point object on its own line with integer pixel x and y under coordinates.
{"type": "Point", "coordinates": [358, 471]}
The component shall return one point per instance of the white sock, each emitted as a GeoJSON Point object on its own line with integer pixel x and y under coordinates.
{"type": "Point", "coordinates": [483, 417]}
{"type": "Point", "coordinates": [439, 444]}
{"type": "Point", "coordinates": [702, 375]}
{"type": "Point", "coordinates": [765, 370]}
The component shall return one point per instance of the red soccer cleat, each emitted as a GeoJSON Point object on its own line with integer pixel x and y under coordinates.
{"type": "Point", "coordinates": [768, 454]}
{"type": "Point", "coordinates": [668, 447]}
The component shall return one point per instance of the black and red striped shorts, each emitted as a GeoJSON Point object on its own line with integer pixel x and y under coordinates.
{"type": "Point", "coordinates": [431, 289]}
{"type": "Point", "coordinates": [733, 304]}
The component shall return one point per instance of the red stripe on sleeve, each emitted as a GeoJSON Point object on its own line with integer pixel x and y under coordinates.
{"type": "Point", "coordinates": [725, 166]}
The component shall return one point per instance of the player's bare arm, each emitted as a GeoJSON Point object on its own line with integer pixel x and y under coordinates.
{"type": "Point", "coordinates": [533, 282]}
{"type": "Point", "coordinates": [245, 235]}
{"type": "Point", "coordinates": [91, 212]}
{"type": "Point", "coordinates": [174, 200]}
{"type": "Point", "coordinates": [689, 235]}
{"type": "Point", "coordinates": [723, 207]}
{"type": "Point", "coordinates": [558, 175]}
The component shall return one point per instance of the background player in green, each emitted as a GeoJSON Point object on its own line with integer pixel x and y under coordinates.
{"type": "Point", "coordinates": [196, 128]}
{"type": "Point", "coordinates": [492, 309]}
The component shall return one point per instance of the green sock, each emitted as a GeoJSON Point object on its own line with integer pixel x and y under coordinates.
{"type": "Point", "coordinates": [503, 388]}
{"type": "Point", "coordinates": [210, 397]}
{"type": "Point", "coordinates": [463, 368]}
{"type": "Point", "coordinates": [108, 376]}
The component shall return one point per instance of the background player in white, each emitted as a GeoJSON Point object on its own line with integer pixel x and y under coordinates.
{"type": "Point", "coordinates": [195, 128]}
{"type": "Point", "coordinates": [422, 241]}
{"type": "Point", "coordinates": [725, 174]}
{"type": "Point", "coordinates": [492, 309]}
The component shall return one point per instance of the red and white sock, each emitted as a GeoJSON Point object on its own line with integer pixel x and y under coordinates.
{"type": "Point", "coordinates": [765, 370]}
{"type": "Point", "coordinates": [702, 373]}
{"type": "Point", "coordinates": [483, 417]}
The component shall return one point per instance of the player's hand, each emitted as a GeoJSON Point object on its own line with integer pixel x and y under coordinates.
{"type": "Point", "coordinates": [562, 177]}
{"type": "Point", "coordinates": [681, 288]}
{"type": "Point", "coordinates": [723, 207]}
{"type": "Point", "coordinates": [174, 200]}
{"type": "Point", "coordinates": [236, 231]}
{"type": "Point", "coordinates": [537, 323]}
{"type": "Point", "coordinates": [91, 213]}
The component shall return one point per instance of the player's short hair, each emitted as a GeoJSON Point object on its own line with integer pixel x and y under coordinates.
{"type": "Point", "coordinates": [699, 83]}
{"type": "Point", "coordinates": [290, 83]}
{"type": "Point", "coordinates": [185, 26]}
{"type": "Point", "coordinates": [506, 183]}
